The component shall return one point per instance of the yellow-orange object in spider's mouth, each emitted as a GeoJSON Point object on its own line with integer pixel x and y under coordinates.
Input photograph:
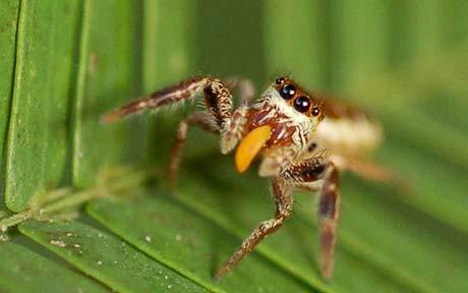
{"type": "Point", "coordinates": [250, 146]}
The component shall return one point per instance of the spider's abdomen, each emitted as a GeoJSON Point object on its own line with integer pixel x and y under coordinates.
{"type": "Point", "coordinates": [348, 131]}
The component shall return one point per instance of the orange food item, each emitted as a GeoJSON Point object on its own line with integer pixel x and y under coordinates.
{"type": "Point", "coordinates": [250, 146]}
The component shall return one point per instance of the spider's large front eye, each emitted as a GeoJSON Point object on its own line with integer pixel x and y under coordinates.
{"type": "Point", "coordinates": [302, 104]}
{"type": "Point", "coordinates": [288, 91]}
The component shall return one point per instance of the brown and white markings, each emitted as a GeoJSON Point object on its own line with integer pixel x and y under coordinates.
{"type": "Point", "coordinates": [304, 142]}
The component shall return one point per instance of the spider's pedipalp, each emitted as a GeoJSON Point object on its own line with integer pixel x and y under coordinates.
{"type": "Point", "coordinates": [235, 130]}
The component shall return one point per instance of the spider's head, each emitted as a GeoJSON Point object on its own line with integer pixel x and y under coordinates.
{"type": "Point", "coordinates": [297, 98]}
{"type": "Point", "coordinates": [285, 117]}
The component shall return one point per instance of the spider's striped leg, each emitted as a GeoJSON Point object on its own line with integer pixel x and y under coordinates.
{"type": "Point", "coordinates": [372, 171]}
{"type": "Point", "coordinates": [319, 174]}
{"type": "Point", "coordinates": [172, 95]}
{"type": "Point", "coordinates": [218, 118]}
{"type": "Point", "coordinates": [329, 213]}
{"type": "Point", "coordinates": [229, 136]}
{"type": "Point", "coordinates": [217, 98]}
{"type": "Point", "coordinates": [282, 192]}
{"type": "Point", "coordinates": [199, 119]}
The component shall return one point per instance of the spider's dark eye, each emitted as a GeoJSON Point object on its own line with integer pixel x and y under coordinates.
{"type": "Point", "coordinates": [280, 80]}
{"type": "Point", "coordinates": [302, 104]}
{"type": "Point", "coordinates": [288, 91]}
{"type": "Point", "coordinates": [315, 111]}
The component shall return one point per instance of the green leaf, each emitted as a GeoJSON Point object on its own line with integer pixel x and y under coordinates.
{"type": "Point", "coordinates": [438, 198]}
{"type": "Point", "coordinates": [38, 133]}
{"type": "Point", "coordinates": [106, 258]}
{"type": "Point", "coordinates": [295, 246]}
{"type": "Point", "coordinates": [421, 247]}
{"type": "Point", "coordinates": [168, 30]}
{"type": "Point", "coordinates": [109, 74]}
{"type": "Point", "coordinates": [64, 64]}
{"type": "Point", "coordinates": [29, 271]}
{"type": "Point", "coordinates": [407, 125]}
{"type": "Point", "coordinates": [189, 244]}
{"type": "Point", "coordinates": [291, 40]}
{"type": "Point", "coordinates": [8, 26]}
{"type": "Point", "coordinates": [167, 56]}
{"type": "Point", "coordinates": [359, 35]}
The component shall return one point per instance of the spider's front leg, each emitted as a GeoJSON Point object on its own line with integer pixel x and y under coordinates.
{"type": "Point", "coordinates": [282, 193]}
{"type": "Point", "coordinates": [217, 96]}
{"type": "Point", "coordinates": [172, 95]}
{"type": "Point", "coordinates": [229, 126]}
{"type": "Point", "coordinates": [219, 117]}
{"type": "Point", "coordinates": [320, 174]}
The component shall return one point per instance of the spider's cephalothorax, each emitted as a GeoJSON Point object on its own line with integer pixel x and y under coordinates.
{"type": "Point", "coordinates": [284, 127]}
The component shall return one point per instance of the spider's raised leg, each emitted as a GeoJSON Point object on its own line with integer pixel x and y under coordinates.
{"type": "Point", "coordinates": [217, 97]}
{"type": "Point", "coordinates": [282, 192]}
{"type": "Point", "coordinates": [172, 95]}
{"type": "Point", "coordinates": [218, 118]}
{"type": "Point", "coordinates": [319, 174]}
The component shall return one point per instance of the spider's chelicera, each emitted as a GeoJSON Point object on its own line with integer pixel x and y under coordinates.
{"type": "Point", "coordinates": [300, 149]}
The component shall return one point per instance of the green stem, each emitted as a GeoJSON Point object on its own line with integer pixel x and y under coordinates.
{"type": "Point", "coordinates": [14, 220]}
{"type": "Point", "coordinates": [55, 201]}
{"type": "Point", "coordinates": [71, 201]}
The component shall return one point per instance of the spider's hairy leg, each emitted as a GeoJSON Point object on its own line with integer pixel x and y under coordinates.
{"type": "Point", "coordinates": [187, 89]}
{"type": "Point", "coordinates": [218, 101]}
{"type": "Point", "coordinates": [372, 171]}
{"type": "Point", "coordinates": [282, 193]}
{"type": "Point", "coordinates": [329, 213]}
{"type": "Point", "coordinates": [199, 119]}
{"type": "Point", "coordinates": [218, 119]}
{"type": "Point", "coordinates": [319, 174]}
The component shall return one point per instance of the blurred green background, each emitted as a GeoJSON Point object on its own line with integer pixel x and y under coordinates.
{"type": "Point", "coordinates": [65, 63]}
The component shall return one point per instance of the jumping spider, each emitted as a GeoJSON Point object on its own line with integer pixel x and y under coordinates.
{"type": "Point", "coordinates": [301, 149]}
